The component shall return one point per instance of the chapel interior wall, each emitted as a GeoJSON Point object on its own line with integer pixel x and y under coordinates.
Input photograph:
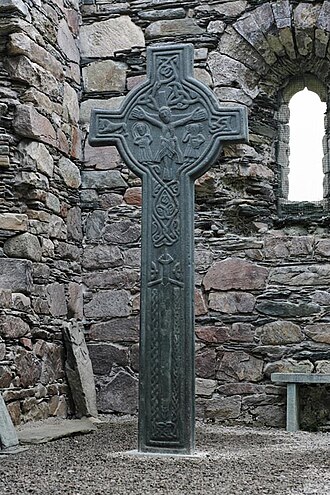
{"type": "Point", "coordinates": [260, 297]}
{"type": "Point", "coordinates": [40, 221]}
{"type": "Point", "coordinates": [262, 274]}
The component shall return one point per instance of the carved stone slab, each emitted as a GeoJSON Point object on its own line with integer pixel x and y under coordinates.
{"type": "Point", "coordinates": [8, 435]}
{"type": "Point", "coordinates": [79, 371]}
{"type": "Point", "coordinates": [169, 132]}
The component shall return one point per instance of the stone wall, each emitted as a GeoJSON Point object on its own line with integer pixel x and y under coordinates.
{"type": "Point", "coordinates": [70, 241]}
{"type": "Point", "coordinates": [262, 272]}
{"type": "Point", "coordinates": [40, 226]}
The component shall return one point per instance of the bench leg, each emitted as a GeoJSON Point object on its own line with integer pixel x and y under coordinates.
{"type": "Point", "coordinates": [292, 407]}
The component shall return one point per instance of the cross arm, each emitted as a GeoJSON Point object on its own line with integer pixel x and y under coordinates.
{"type": "Point", "coordinates": [106, 127]}
{"type": "Point", "coordinates": [230, 124]}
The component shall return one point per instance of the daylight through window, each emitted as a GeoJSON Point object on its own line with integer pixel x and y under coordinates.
{"type": "Point", "coordinates": [306, 150]}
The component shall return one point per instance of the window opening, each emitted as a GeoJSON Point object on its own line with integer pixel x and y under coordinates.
{"type": "Point", "coordinates": [306, 126]}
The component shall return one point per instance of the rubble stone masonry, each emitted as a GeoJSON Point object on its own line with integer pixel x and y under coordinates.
{"type": "Point", "coordinates": [70, 214]}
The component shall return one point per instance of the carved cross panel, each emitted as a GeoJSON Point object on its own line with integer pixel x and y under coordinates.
{"type": "Point", "coordinates": [169, 131]}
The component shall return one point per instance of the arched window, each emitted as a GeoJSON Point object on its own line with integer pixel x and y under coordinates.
{"type": "Point", "coordinates": [306, 128]}
{"type": "Point", "coordinates": [302, 148]}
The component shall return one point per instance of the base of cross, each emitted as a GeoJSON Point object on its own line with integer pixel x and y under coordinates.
{"type": "Point", "coordinates": [196, 455]}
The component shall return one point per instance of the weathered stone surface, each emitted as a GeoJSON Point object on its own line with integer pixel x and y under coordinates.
{"type": "Point", "coordinates": [20, 44]}
{"type": "Point", "coordinates": [15, 275]}
{"type": "Point", "coordinates": [22, 69]}
{"type": "Point", "coordinates": [176, 27]}
{"type": "Point", "coordinates": [305, 17]}
{"type": "Point", "coordinates": [49, 432]}
{"type": "Point", "coordinates": [321, 297]}
{"type": "Point", "coordinates": [14, 410]}
{"type": "Point", "coordinates": [123, 232]}
{"type": "Point", "coordinates": [223, 408]}
{"type": "Point", "coordinates": [205, 363]}
{"type": "Point", "coordinates": [57, 228]}
{"type": "Point", "coordinates": [67, 42]}
{"type": "Point", "coordinates": [319, 332]}
{"type": "Point", "coordinates": [232, 302]}
{"type": "Point", "coordinates": [120, 394]}
{"type": "Point", "coordinates": [250, 27]}
{"type": "Point", "coordinates": [287, 309]}
{"type": "Point", "coordinates": [75, 301]}
{"type": "Point", "coordinates": [301, 275]}
{"type": "Point", "coordinates": [230, 72]}
{"type": "Point", "coordinates": [28, 368]}
{"type": "Point", "coordinates": [94, 225]}
{"type": "Point", "coordinates": [105, 356]}
{"type": "Point", "coordinates": [162, 14]}
{"type": "Point", "coordinates": [104, 38]}
{"type": "Point", "coordinates": [69, 172]}
{"type": "Point", "coordinates": [56, 299]}
{"type": "Point", "coordinates": [111, 279]}
{"type": "Point", "coordinates": [2, 350]}
{"type": "Point", "coordinates": [13, 221]}
{"type": "Point", "coordinates": [224, 9]}
{"type": "Point", "coordinates": [37, 156]}
{"type": "Point", "coordinates": [213, 334]}
{"type": "Point", "coordinates": [108, 304]}
{"type": "Point", "coordinates": [30, 123]}
{"type": "Point", "coordinates": [87, 106]}
{"type": "Point", "coordinates": [105, 75]}
{"type": "Point", "coordinates": [102, 157]}
{"type": "Point", "coordinates": [74, 224]}
{"type": "Point", "coordinates": [102, 256]}
{"type": "Point", "coordinates": [205, 388]}
{"type": "Point", "coordinates": [109, 179]}
{"type": "Point", "coordinates": [5, 298]}
{"type": "Point", "coordinates": [284, 247]}
{"type": "Point", "coordinates": [5, 377]}
{"type": "Point", "coordinates": [288, 366]}
{"type": "Point", "coordinates": [71, 110]}
{"type": "Point", "coordinates": [133, 196]}
{"type": "Point", "coordinates": [14, 5]}
{"type": "Point", "coordinates": [23, 246]}
{"type": "Point", "coordinates": [79, 371]}
{"type": "Point", "coordinates": [13, 327]}
{"type": "Point", "coordinates": [279, 333]}
{"type": "Point", "coordinates": [200, 304]}
{"type": "Point", "coordinates": [322, 247]}
{"type": "Point", "coordinates": [116, 330]}
{"type": "Point", "coordinates": [52, 368]}
{"type": "Point", "coordinates": [239, 365]}
{"type": "Point", "coordinates": [235, 273]}
{"type": "Point", "coordinates": [203, 76]}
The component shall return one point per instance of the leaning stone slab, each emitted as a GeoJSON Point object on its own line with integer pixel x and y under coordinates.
{"type": "Point", "coordinates": [79, 371]}
{"type": "Point", "coordinates": [8, 435]}
{"type": "Point", "coordinates": [47, 432]}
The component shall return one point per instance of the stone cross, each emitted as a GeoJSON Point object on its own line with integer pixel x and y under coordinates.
{"type": "Point", "coordinates": [169, 131]}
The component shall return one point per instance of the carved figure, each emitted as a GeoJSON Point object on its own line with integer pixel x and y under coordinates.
{"type": "Point", "coordinates": [142, 138]}
{"type": "Point", "coordinates": [194, 139]}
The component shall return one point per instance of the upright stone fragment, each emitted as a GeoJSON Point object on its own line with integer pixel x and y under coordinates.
{"type": "Point", "coordinates": [79, 371]}
{"type": "Point", "coordinates": [169, 131]}
{"type": "Point", "coordinates": [8, 435]}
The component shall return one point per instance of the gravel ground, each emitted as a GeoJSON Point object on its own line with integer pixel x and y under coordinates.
{"type": "Point", "coordinates": [234, 461]}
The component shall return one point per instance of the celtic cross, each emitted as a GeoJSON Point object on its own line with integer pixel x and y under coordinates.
{"type": "Point", "coordinates": [169, 131]}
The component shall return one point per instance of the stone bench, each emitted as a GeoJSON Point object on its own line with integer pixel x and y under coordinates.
{"type": "Point", "coordinates": [292, 381]}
